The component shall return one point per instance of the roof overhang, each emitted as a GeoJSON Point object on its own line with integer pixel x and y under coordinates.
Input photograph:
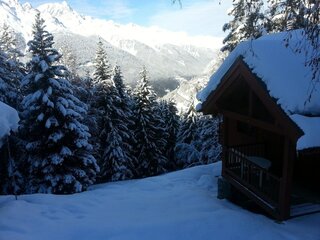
{"type": "Point", "coordinates": [240, 68]}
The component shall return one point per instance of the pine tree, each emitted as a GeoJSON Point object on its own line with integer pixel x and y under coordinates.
{"type": "Point", "coordinates": [247, 23]}
{"type": "Point", "coordinates": [169, 115]}
{"type": "Point", "coordinates": [308, 18]}
{"type": "Point", "coordinates": [125, 104]}
{"type": "Point", "coordinates": [148, 131]}
{"type": "Point", "coordinates": [98, 106]}
{"type": "Point", "coordinates": [112, 116]}
{"type": "Point", "coordinates": [69, 60]}
{"type": "Point", "coordinates": [102, 66]}
{"type": "Point", "coordinates": [162, 137]}
{"type": "Point", "coordinates": [283, 15]}
{"type": "Point", "coordinates": [116, 162]}
{"type": "Point", "coordinates": [312, 35]}
{"type": "Point", "coordinates": [118, 81]}
{"type": "Point", "coordinates": [11, 72]}
{"type": "Point", "coordinates": [188, 127]}
{"type": "Point", "coordinates": [58, 153]}
{"type": "Point", "coordinates": [210, 148]}
{"type": "Point", "coordinates": [186, 149]}
{"type": "Point", "coordinates": [11, 69]}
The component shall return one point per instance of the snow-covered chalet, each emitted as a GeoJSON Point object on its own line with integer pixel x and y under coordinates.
{"type": "Point", "coordinates": [270, 131]}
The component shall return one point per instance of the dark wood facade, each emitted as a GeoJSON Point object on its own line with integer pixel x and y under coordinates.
{"type": "Point", "coordinates": [254, 125]}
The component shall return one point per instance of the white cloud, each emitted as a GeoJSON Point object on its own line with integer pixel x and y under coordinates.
{"type": "Point", "coordinates": [195, 17]}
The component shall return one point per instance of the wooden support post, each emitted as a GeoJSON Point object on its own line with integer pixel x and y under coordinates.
{"type": "Point", "coordinates": [286, 183]}
{"type": "Point", "coordinates": [224, 143]}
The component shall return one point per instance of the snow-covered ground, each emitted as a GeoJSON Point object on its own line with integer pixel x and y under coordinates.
{"type": "Point", "coordinates": [179, 205]}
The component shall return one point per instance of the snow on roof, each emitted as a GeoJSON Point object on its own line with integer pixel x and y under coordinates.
{"type": "Point", "coordinates": [283, 71]}
{"type": "Point", "coordinates": [311, 128]}
{"type": "Point", "coordinates": [8, 120]}
{"type": "Point", "coordinates": [286, 77]}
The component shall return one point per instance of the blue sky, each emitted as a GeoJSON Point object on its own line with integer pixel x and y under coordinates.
{"type": "Point", "coordinates": [196, 17]}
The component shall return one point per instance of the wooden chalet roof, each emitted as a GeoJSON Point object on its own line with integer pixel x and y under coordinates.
{"type": "Point", "coordinates": [286, 77]}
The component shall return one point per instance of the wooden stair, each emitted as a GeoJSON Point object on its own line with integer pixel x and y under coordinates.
{"type": "Point", "coordinates": [304, 209]}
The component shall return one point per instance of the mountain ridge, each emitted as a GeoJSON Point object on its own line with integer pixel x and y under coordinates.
{"type": "Point", "coordinates": [167, 55]}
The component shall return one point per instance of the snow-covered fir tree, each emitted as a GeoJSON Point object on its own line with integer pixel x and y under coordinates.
{"type": "Point", "coordinates": [116, 162]}
{"type": "Point", "coordinates": [149, 131]}
{"type": "Point", "coordinates": [285, 15]}
{"type": "Point", "coordinates": [118, 81]}
{"type": "Point", "coordinates": [312, 35]}
{"type": "Point", "coordinates": [8, 43]}
{"type": "Point", "coordinates": [189, 124]}
{"type": "Point", "coordinates": [69, 60]}
{"type": "Point", "coordinates": [85, 92]}
{"type": "Point", "coordinates": [113, 118]}
{"type": "Point", "coordinates": [168, 112]}
{"type": "Point", "coordinates": [186, 151]}
{"type": "Point", "coordinates": [11, 73]}
{"type": "Point", "coordinates": [97, 111]}
{"type": "Point", "coordinates": [58, 153]}
{"type": "Point", "coordinates": [11, 69]}
{"type": "Point", "coordinates": [308, 18]}
{"type": "Point", "coordinates": [276, 16]}
{"type": "Point", "coordinates": [208, 134]}
{"type": "Point", "coordinates": [125, 105]}
{"type": "Point", "coordinates": [163, 137]}
{"type": "Point", "coordinates": [102, 67]}
{"type": "Point", "coordinates": [247, 23]}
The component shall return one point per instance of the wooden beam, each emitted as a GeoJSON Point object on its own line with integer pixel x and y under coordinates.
{"type": "Point", "coordinates": [281, 117]}
{"type": "Point", "coordinates": [254, 122]}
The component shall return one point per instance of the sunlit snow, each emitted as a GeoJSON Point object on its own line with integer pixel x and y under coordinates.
{"type": "Point", "coordinates": [179, 205]}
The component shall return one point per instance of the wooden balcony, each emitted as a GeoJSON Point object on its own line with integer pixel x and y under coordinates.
{"type": "Point", "coordinates": [252, 177]}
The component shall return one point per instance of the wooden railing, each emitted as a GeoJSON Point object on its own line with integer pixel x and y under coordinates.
{"type": "Point", "coordinates": [257, 179]}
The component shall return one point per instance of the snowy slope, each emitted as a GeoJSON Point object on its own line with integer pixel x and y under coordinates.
{"type": "Point", "coordinates": [180, 205]}
{"type": "Point", "coordinates": [165, 54]}
{"type": "Point", "coordinates": [186, 93]}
